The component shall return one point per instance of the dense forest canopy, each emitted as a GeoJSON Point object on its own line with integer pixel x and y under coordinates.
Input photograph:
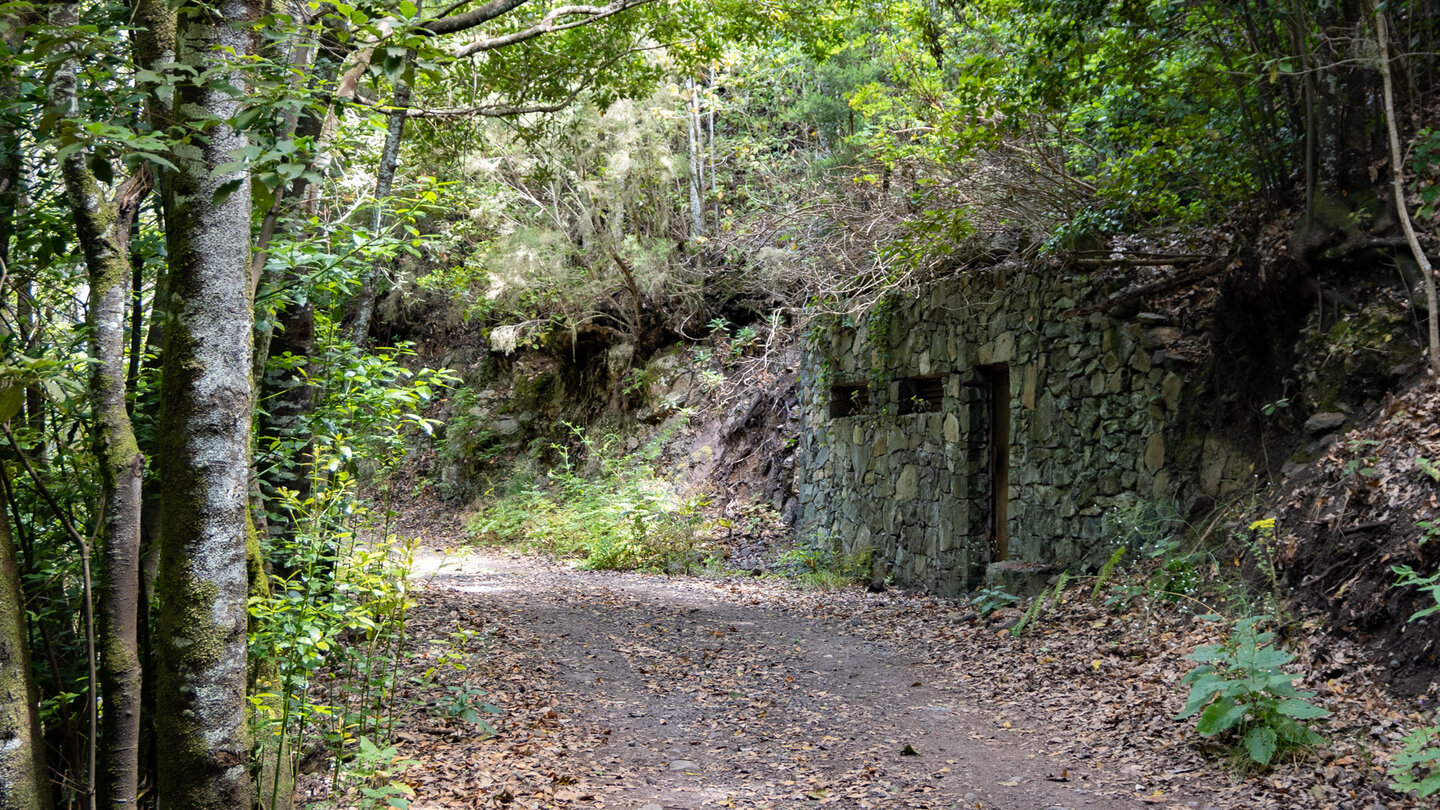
{"type": "Point", "coordinates": [214, 215]}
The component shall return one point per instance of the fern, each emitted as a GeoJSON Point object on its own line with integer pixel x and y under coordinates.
{"type": "Point", "coordinates": [1105, 572]}
{"type": "Point", "coordinates": [1060, 588]}
{"type": "Point", "coordinates": [1031, 615]}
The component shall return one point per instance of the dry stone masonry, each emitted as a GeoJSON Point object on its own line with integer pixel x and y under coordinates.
{"type": "Point", "coordinates": [995, 416]}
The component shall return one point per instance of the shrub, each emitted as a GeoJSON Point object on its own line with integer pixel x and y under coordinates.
{"type": "Point", "coordinates": [1240, 691]}
{"type": "Point", "coordinates": [1417, 768]}
{"type": "Point", "coordinates": [619, 516]}
{"type": "Point", "coordinates": [818, 566]}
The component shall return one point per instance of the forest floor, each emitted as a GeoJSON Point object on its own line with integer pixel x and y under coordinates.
{"type": "Point", "coordinates": [647, 692]}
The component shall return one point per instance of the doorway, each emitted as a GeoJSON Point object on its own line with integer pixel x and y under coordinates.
{"type": "Point", "coordinates": [997, 384]}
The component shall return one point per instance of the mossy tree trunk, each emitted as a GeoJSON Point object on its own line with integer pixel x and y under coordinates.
{"type": "Point", "coordinates": [23, 785]}
{"type": "Point", "coordinates": [205, 425]}
{"type": "Point", "coordinates": [103, 228]}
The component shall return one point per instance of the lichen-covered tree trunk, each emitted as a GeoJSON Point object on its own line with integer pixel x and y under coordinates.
{"type": "Point", "coordinates": [23, 785]}
{"type": "Point", "coordinates": [205, 427]}
{"type": "Point", "coordinates": [102, 226]}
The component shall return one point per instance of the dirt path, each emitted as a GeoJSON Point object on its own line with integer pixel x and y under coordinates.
{"type": "Point", "coordinates": [646, 692]}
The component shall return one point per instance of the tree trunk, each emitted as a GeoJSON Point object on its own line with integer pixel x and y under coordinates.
{"type": "Point", "coordinates": [384, 183]}
{"type": "Point", "coordinates": [692, 116]}
{"type": "Point", "coordinates": [290, 398]}
{"type": "Point", "coordinates": [103, 230]}
{"type": "Point", "coordinates": [102, 227]}
{"type": "Point", "coordinates": [205, 406]}
{"type": "Point", "coordinates": [22, 763]}
{"type": "Point", "coordinates": [1397, 177]}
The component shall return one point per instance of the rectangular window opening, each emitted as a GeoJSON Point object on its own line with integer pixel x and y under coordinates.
{"type": "Point", "coordinates": [922, 394]}
{"type": "Point", "coordinates": [849, 399]}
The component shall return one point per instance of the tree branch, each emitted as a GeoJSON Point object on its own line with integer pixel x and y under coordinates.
{"type": "Point", "coordinates": [454, 24]}
{"type": "Point", "coordinates": [550, 23]}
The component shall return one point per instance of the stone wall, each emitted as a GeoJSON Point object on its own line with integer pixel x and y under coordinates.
{"type": "Point", "coordinates": [899, 417]}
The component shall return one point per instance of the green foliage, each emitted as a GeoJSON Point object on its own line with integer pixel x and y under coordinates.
{"type": "Point", "coordinates": [367, 406]}
{"type": "Point", "coordinates": [991, 598]}
{"type": "Point", "coordinates": [1272, 408]}
{"type": "Point", "coordinates": [1362, 463]}
{"type": "Point", "coordinates": [466, 703]}
{"type": "Point", "coordinates": [609, 507]}
{"type": "Point", "coordinates": [1106, 571]}
{"type": "Point", "coordinates": [1431, 584]}
{"type": "Point", "coordinates": [818, 565]}
{"type": "Point", "coordinates": [1242, 693]}
{"type": "Point", "coordinates": [325, 641]}
{"type": "Point", "coordinates": [1032, 614]}
{"type": "Point", "coordinates": [376, 769]}
{"type": "Point", "coordinates": [1060, 588]}
{"type": "Point", "coordinates": [1417, 768]}
{"type": "Point", "coordinates": [1070, 119]}
{"type": "Point", "coordinates": [1426, 165]}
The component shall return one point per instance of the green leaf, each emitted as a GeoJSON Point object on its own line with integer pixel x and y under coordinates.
{"type": "Point", "coordinates": [1260, 743]}
{"type": "Point", "coordinates": [225, 189]}
{"type": "Point", "coordinates": [1209, 654]}
{"type": "Point", "coordinates": [12, 399]}
{"type": "Point", "coordinates": [1271, 658]}
{"type": "Point", "coordinates": [1300, 710]}
{"type": "Point", "coordinates": [1200, 695]}
{"type": "Point", "coordinates": [1218, 717]}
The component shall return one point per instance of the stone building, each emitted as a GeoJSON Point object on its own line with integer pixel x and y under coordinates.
{"type": "Point", "coordinates": [993, 417]}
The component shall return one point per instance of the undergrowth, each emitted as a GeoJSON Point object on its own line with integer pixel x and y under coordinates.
{"type": "Point", "coordinates": [608, 507]}
{"type": "Point", "coordinates": [1243, 697]}
{"type": "Point", "coordinates": [819, 566]}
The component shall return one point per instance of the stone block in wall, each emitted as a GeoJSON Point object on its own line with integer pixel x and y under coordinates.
{"type": "Point", "coordinates": [1155, 452]}
{"type": "Point", "coordinates": [1170, 390]}
{"type": "Point", "coordinates": [908, 484]}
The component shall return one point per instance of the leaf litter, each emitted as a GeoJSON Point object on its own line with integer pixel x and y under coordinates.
{"type": "Point", "coordinates": [646, 692]}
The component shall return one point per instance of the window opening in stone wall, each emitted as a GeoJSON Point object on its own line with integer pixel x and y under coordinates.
{"type": "Point", "coordinates": [922, 394]}
{"type": "Point", "coordinates": [849, 399]}
{"type": "Point", "coordinates": [997, 379]}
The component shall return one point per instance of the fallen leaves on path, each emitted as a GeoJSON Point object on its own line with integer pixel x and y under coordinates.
{"type": "Point", "coordinates": [639, 691]}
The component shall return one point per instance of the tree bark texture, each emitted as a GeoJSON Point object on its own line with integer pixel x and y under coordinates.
{"type": "Point", "coordinates": [103, 227]}
{"type": "Point", "coordinates": [23, 785]}
{"type": "Point", "coordinates": [205, 430]}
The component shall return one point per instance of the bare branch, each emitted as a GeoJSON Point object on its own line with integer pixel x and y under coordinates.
{"type": "Point", "coordinates": [491, 111]}
{"type": "Point", "coordinates": [550, 23]}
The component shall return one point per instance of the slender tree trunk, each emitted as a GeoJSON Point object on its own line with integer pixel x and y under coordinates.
{"type": "Point", "coordinates": [205, 430]}
{"type": "Point", "coordinates": [286, 391]}
{"type": "Point", "coordinates": [697, 214]}
{"type": "Point", "coordinates": [714, 187]}
{"type": "Point", "coordinates": [1397, 177]}
{"type": "Point", "coordinates": [23, 785]}
{"type": "Point", "coordinates": [384, 184]}
{"type": "Point", "coordinates": [103, 231]}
